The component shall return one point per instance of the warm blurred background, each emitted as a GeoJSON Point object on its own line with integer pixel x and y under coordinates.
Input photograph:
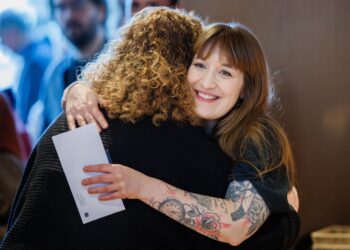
{"type": "Point", "coordinates": [307, 45]}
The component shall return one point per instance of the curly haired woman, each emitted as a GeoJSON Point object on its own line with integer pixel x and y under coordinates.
{"type": "Point", "coordinates": [44, 215]}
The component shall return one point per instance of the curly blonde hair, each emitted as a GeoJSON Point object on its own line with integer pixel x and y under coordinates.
{"type": "Point", "coordinates": [143, 72]}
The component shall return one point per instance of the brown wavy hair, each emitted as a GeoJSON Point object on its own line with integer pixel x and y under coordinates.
{"type": "Point", "coordinates": [248, 133]}
{"type": "Point", "coordinates": [143, 72]}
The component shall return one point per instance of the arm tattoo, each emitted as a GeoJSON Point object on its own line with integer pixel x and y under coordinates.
{"type": "Point", "coordinates": [209, 203]}
{"type": "Point", "coordinates": [248, 204]}
{"type": "Point", "coordinates": [196, 213]}
{"type": "Point", "coordinates": [211, 216]}
{"type": "Point", "coordinates": [193, 216]}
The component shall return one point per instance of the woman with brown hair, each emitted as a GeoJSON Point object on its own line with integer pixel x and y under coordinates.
{"type": "Point", "coordinates": [230, 86]}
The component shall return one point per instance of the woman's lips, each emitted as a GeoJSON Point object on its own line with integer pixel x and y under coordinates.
{"type": "Point", "coordinates": [205, 97]}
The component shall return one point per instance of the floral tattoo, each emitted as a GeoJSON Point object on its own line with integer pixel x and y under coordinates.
{"type": "Point", "coordinates": [248, 204]}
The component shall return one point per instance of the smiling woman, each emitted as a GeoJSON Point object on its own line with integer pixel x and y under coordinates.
{"type": "Point", "coordinates": [229, 81]}
{"type": "Point", "coordinates": [216, 84]}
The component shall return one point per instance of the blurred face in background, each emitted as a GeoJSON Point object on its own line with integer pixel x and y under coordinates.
{"type": "Point", "coordinates": [79, 20]}
{"type": "Point", "coordinates": [138, 5]}
{"type": "Point", "coordinates": [12, 38]}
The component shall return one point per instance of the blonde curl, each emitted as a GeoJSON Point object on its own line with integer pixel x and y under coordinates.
{"type": "Point", "coordinates": [143, 72]}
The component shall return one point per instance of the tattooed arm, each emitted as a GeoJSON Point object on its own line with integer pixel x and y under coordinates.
{"type": "Point", "coordinates": [230, 220]}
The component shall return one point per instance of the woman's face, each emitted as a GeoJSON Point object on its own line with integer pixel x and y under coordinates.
{"type": "Point", "coordinates": [216, 85]}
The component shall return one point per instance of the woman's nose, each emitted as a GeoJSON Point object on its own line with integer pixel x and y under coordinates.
{"type": "Point", "coordinates": [208, 81]}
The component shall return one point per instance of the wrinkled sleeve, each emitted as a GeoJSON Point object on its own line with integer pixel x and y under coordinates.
{"type": "Point", "coordinates": [272, 186]}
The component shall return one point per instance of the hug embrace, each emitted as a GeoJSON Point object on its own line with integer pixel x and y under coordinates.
{"type": "Point", "coordinates": [197, 158]}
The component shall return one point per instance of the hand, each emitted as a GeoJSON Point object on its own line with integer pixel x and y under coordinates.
{"type": "Point", "coordinates": [81, 105]}
{"type": "Point", "coordinates": [121, 182]}
{"type": "Point", "coordinates": [293, 198]}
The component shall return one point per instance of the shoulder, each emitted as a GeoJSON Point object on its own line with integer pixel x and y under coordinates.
{"type": "Point", "coordinates": [262, 148]}
{"type": "Point", "coordinates": [42, 50]}
{"type": "Point", "coordinates": [169, 136]}
{"type": "Point", "coordinates": [260, 163]}
{"type": "Point", "coordinates": [57, 127]}
{"type": "Point", "coordinates": [60, 63]}
{"type": "Point", "coordinates": [53, 76]}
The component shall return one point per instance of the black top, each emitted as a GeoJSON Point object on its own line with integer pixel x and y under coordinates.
{"type": "Point", "coordinates": [273, 186]}
{"type": "Point", "coordinates": [44, 215]}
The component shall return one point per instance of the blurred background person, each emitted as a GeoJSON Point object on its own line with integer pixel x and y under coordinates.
{"type": "Point", "coordinates": [130, 7]}
{"type": "Point", "coordinates": [16, 34]}
{"type": "Point", "coordinates": [83, 24]}
{"type": "Point", "coordinates": [137, 5]}
{"type": "Point", "coordinates": [13, 153]}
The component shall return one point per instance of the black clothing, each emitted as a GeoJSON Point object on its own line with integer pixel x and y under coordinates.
{"type": "Point", "coordinates": [71, 73]}
{"type": "Point", "coordinates": [273, 186]}
{"type": "Point", "coordinates": [44, 215]}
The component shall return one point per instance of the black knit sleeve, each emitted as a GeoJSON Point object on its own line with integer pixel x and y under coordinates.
{"type": "Point", "coordinates": [272, 186]}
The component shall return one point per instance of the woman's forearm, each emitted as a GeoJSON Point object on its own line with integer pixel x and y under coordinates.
{"type": "Point", "coordinates": [227, 220]}
{"type": "Point", "coordinates": [230, 220]}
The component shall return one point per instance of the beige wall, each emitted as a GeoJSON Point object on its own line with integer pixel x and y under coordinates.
{"type": "Point", "coordinates": [307, 42]}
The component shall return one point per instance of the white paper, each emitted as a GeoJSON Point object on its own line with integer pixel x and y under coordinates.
{"type": "Point", "coordinates": [77, 148]}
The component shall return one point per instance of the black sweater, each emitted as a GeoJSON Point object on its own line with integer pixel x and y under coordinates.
{"type": "Point", "coordinates": [44, 215]}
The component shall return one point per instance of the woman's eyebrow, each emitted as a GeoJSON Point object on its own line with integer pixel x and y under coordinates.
{"type": "Point", "coordinates": [229, 65]}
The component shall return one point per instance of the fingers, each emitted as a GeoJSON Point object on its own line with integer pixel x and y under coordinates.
{"type": "Point", "coordinates": [115, 178]}
{"type": "Point", "coordinates": [105, 168]}
{"type": "Point", "coordinates": [106, 178]}
{"type": "Point", "coordinates": [83, 119]}
{"type": "Point", "coordinates": [110, 176]}
{"type": "Point", "coordinates": [99, 117]}
{"type": "Point", "coordinates": [90, 119]}
{"type": "Point", "coordinates": [85, 116]}
{"type": "Point", "coordinates": [80, 120]}
{"type": "Point", "coordinates": [82, 107]}
{"type": "Point", "coordinates": [113, 196]}
{"type": "Point", "coordinates": [293, 198]}
{"type": "Point", "coordinates": [71, 122]}
{"type": "Point", "coordinates": [105, 189]}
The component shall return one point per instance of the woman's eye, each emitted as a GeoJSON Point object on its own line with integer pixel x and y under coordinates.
{"type": "Point", "coordinates": [226, 73]}
{"type": "Point", "coordinates": [199, 65]}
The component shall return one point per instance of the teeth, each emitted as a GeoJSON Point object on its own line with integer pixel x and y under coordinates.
{"type": "Point", "coordinates": [205, 96]}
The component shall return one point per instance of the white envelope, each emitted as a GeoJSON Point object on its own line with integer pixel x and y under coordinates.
{"type": "Point", "coordinates": [77, 148]}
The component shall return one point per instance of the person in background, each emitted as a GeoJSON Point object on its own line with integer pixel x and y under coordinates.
{"type": "Point", "coordinates": [83, 24]}
{"type": "Point", "coordinates": [12, 157]}
{"type": "Point", "coordinates": [129, 7]}
{"type": "Point", "coordinates": [16, 34]}
{"type": "Point", "coordinates": [137, 5]}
